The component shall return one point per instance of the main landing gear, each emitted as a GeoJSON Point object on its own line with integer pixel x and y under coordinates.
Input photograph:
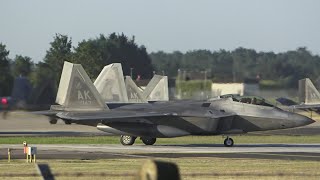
{"type": "Point", "coordinates": [53, 120]}
{"type": "Point", "coordinates": [148, 140]}
{"type": "Point", "coordinates": [228, 142]}
{"type": "Point", "coordinates": [129, 140]}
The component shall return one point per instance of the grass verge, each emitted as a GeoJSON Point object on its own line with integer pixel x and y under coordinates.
{"type": "Point", "coordinates": [248, 139]}
{"type": "Point", "coordinates": [190, 168]}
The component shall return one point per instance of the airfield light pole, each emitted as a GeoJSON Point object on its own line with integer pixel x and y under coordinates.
{"type": "Point", "coordinates": [204, 84]}
{"type": "Point", "coordinates": [179, 80]}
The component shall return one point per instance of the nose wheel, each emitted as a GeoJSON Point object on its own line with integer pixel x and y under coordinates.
{"type": "Point", "coordinates": [228, 142]}
{"type": "Point", "coordinates": [127, 140]}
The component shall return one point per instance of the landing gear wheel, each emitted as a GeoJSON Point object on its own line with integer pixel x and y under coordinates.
{"type": "Point", "coordinates": [67, 122]}
{"type": "Point", "coordinates": [228, 142]}
{"type": "Point", "coordinates": [127, 140]}
{"type": "Point", "coordinates": [53, 121]}
{"type": "Point", "coordinates": [148, 140]}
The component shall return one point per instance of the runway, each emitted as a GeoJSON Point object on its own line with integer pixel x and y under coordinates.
{"type": "Point", "coordinates": [21, 123]}
{"type": "Point", "coordinates": [25, 124]}
{"type": "Point", "coordinates": [257, 151]}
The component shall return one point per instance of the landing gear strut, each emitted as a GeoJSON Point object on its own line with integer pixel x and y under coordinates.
{"type": "Point", "coordinates": [148, 140]}
{"type": "Point", "coordinates": [228, 142]}
{"type": "Point", "coordinates": [127, 140]}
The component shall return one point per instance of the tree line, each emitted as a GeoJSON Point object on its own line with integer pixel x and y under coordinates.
{"type": "Point", "coordinates": [239, 65]}
{"type": "Point", "coordinates": [93, 54]}
{"type": "Point", "coordinates": [242, 64]}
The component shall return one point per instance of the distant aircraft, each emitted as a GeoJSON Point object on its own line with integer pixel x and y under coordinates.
{"type": "Point", "coordinates": [80, 103]}
{"type": "Point", "coordinates": [309, 97]}
{"type": "Point", "coordinates": [25, 97]}
{"type": "Point", "coordinates": [114, 88]}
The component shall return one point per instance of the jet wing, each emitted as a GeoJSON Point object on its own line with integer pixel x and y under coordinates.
{"type": "Point", "coordinates": [114, 115]}
{"type": "Point", "coordinates": [286, 101]}
{"type": "Point", "coordinates": [45, 113]}
{"type": "Point", "coordinates": [294, 105]}
{"type": "Point", "coordinates": [311, 107]}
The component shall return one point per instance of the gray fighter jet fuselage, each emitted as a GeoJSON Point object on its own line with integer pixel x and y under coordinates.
{"type": "Point", "coordinates": [81, 103]}
{"type": "Point", "coordinates": [181, 118]}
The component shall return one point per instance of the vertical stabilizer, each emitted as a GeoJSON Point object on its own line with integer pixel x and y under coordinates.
{"type": "Point", "coordinates": [76, 91]}
{"type": "Point", "coordinates": [110, 84]}
{"type": "Point", "coordinates": [157, 89]}
{"type": "Point", "coordinates": [308, 93]}
{"type": "Point", "coordinates": [133, 91]}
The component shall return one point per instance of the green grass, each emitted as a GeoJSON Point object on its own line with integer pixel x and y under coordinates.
{"type": "Point", "coordinates": [190, 168]}
{"type": "Point", "coordinates": [248, 139]}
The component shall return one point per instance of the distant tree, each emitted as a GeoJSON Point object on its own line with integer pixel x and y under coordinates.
{"type": "Point", "coordinates": [241, 64]}
{"type": "Point", "coordinates": [22, 66]}
{"type": "Point", "coordinates": [43, 72]}
{"type": "Point", "coordinates": [59, 52]}
{"type": "Point", "coordinates": [167, 63]}
{"type": "Point", "coordinates": [244, 63]}
{"type": "Point", "coordinates": [94, 54]}
{"type": "Point", "coordinates": [197, 59]}
{"type": "Point", "coordinates": [222, 67]}
{"type": "Point", "coordinates": [6, 80]}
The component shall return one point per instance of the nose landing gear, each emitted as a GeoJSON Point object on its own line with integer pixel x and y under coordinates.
{"type": "Point", "coordinates": [228, 142]}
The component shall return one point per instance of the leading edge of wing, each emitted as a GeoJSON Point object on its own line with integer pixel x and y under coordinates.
{"type": "Point", "coordinates": [78, 116]}
{"type": "Point", "coordinates": [45, 113]}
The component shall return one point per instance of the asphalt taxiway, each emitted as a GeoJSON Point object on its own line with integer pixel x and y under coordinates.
{"type": "Point", "coordinates": [258, 151]}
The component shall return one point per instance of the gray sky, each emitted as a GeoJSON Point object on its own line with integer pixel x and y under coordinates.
{"type": "Point", "coordinates": [27, 27]}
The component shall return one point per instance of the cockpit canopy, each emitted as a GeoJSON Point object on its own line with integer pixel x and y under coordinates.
{"type": "Point", "coordinates": [256, 100]}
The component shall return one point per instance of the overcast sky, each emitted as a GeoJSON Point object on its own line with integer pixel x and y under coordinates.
{"type": "Point", "coordinates": [27, 27]}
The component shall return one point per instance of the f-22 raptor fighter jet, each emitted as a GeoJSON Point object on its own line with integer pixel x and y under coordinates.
{"type": "Point", "coordinates": [81, 103]}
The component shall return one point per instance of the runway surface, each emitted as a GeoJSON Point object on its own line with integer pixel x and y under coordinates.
{"type": "Point", "coordinates": [257, 151]}
{"type": "Point", "coordinates": [27, 124]}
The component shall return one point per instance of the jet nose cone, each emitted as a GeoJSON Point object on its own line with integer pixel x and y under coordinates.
{"type": "Point", "coordinates": [302, 120]}
{"type": "Point", "coordinates": [309, 121]}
